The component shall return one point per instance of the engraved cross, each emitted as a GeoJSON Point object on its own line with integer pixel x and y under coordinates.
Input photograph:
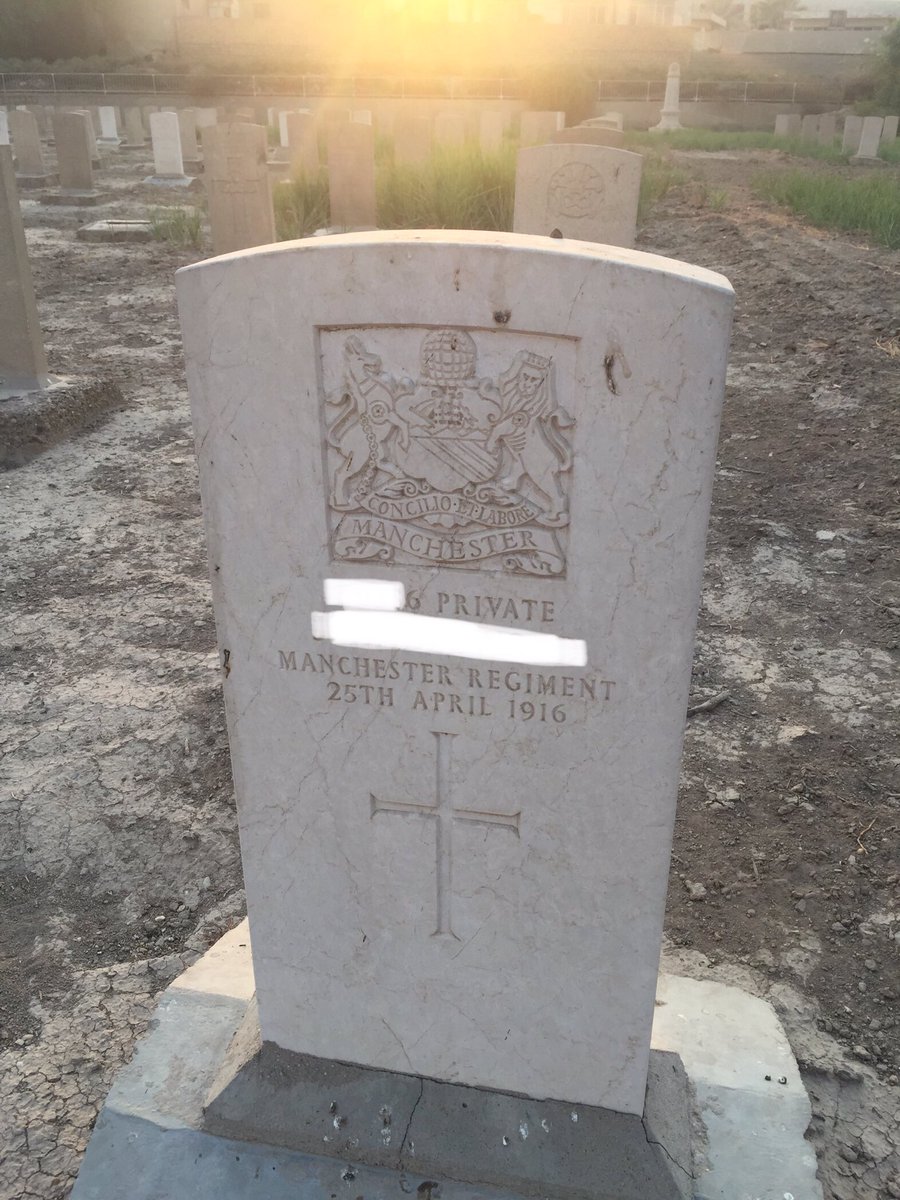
{"type": "Point", "coordinates": [445, 813]}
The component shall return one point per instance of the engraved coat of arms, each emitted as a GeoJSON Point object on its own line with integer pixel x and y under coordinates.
{"type": "Point", "coordinates": [453, 468]}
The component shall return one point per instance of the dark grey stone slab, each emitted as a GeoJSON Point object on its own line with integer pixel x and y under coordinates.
{"type": "Point", "coordinates": [470, 1135]}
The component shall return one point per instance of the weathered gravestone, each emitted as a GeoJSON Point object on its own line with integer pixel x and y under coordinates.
{"type": "Point", "coordinates": [73, 159]}
{"type": "Point", "coordinates": [412, 138]}
{"type": "Point", "coordinates": [852, 133]}
{"type": "Point", "coordinates": [491, 129]}
{"type": "Point", "coordinates": [589, 135]}
{"type": "Point", "coordinates": [827, 128]}
{"type": "Point", "coordinates": [787, 125]}
{"type": "Point", "coordinates": [578, 191]}
{"type": "Point", "coordinates": [36, 409]}
{"type": "Point", "coordinates": [536, 128]}
{"type": "Point", "coordinates": [168, 162]}
{"type": "Point", "coordinates": [889, 129]}
{"type": "Point", "coordinates": [670, 113]}
{"type": "Point", "coordinates": [26, 142]}
{"type": "Point", "coordinates": [90, 134]}
{"type": "Point", "coordinates": [456, 859]}
{"type": "Point", "coordinates": [351, 176]}
{"type": "Point", "coordinates": [109, 127]}
{"type": "Point", "coordinates": [4, 127]}
{"type": "Point", "coordinates": [23, 363]}
{"type": "Point", "coordinates": [450, 129]}
{"type": "Point", "coordinates": [188, 133]}
{"type": "Point", "coordinates": [302, 142]}
{"type": "Point", "coordinates": [809, 127]}
{"type": "Point", "coordinates": [869, 140]}
{"type": "Point", "coordinates": [238, 187]}
{"type": "Point", "coordinates": [134, 127]}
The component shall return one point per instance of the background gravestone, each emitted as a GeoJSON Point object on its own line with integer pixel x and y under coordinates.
{"type": "Point", "coordinates": [26, 142]}
{"type": "Point", "coordinates": [109, 127]}
{"type": "Point", "coordinates": [889, 129]}
{"type": "Point", "coordinates": [23, 363]}
{"type": "Point", "coordinates": [238, 187]}
{"type": "Point", "coordinates": [456, 868]}
{"type": "Point", "coordinates": [450, 129]}
{"type": "Point", "coordinates": [187, 132]}
{"type": "Point", "coordinates": [589, 135]}
{"type": "Point", "coordinates": [809, 127]}
{"type": "Point", "coordinates": [168, 163]}
{"type": "Point", "coordinates": [134, 127]}
{"type": "Point", "coordinates": [351, 176]}
{"type": "Point", "coordinates": [73, 155]}
{"type": "Point", "coordinates": [536, 128]}
{"type": "Point", "coordinates": [827, 128]}
{"type": "Point", "coordinates": [852, 133]}
{"type": "Point", "coordinates": [869, 140]}
{"type": "Point", "coordinates": [491, 128]}
{"type": "Point", "coordinates": [578, 191]}
{"type": "Point", "coordinates": [412, 138]}
{"type": "Point", "coordinates": [302, 142]}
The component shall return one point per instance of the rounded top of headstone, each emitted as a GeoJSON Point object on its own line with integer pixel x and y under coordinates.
{"type": "Point", "coordinates": [448, 356]}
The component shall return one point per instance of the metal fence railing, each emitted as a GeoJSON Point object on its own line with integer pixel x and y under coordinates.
{"type": "Point", "coordinates": [370, 87]}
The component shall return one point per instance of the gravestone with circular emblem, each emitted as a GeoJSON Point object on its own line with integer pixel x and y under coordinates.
{"type": "Point", "coordinates": [578, 191]}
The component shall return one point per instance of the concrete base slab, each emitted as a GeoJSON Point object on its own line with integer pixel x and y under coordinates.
{"type": "Point", "coordinates": [169, 181]}
{"type": "Point", "coordinates": [116, 231]}
{"type": "Point", "coordinates": [452, 1132]}
{"type": "Point", "coordinates": [75, 199]}
{"type": "Point", "coordinates": [33, 422]}
{"type": "Point", "coordinates": [28, 183]}
{"type": "Point", "coordinates": [750, 1114]}
{"type": "Point", "coordinates": [864, 160]}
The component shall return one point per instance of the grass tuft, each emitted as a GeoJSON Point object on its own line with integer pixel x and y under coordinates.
{"type": "Point", "coordinates": [868, 205]}
{"type": "Point", "coordinates": [459, 188]}
{"type": "Point", "coordinates": [301, 206]}
{"type": "Point", "coordinates": [177, 226]}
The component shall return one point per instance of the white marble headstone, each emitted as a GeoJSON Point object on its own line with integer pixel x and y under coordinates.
{"type": "Point", "coordinates": [870, 137]}
{"type": "Point", "coordinates": [166, 138]}
{"type": "Point", "coordinates": [538, 127]}
{"type": "Point", "coordinates": [852, 131]}
{"type": "Point", "coordinates": [578, 191]}
{"type": "Point", "coordinates": [456, 866]}
{"type": "Point", "coordinates": [109, 126]}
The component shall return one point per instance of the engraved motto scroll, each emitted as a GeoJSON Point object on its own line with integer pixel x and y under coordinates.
{"type": "Point", "coordinates": [454, 464]}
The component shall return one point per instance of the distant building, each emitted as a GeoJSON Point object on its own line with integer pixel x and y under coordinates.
{"type": "Point", "coordinates": [839, 18]}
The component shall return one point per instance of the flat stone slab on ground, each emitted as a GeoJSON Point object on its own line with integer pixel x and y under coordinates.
{"type": "Point", "coordinates": [116, 231]}
{"type": "Point", "coordinates": [33, 422]}
{"type": "Point", "coordinates": [151, 1128]}
{"type": "Point", "coordinates": [169, 181]}
{"type": "Point", "coordinates": [75, 199]}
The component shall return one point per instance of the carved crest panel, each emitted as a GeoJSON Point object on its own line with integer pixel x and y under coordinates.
{"type": "Point", "coordinates": [448, 447]}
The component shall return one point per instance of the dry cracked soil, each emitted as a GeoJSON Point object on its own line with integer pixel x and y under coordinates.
{"type": "Point", "coordinates": [118, 839]}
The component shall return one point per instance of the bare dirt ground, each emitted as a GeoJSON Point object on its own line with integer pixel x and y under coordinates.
{"type": "Point", "coordinates": [118, 840]}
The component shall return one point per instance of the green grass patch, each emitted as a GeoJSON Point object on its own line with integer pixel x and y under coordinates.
{"type": "Point", "coordinates": [658, 177]}
{"type": "Point", "coordinates": [301, 206]}
{"type": "Point", "coordinates": [177, 226]}
{"type": "Point", "coordinates": [459, 188]}
{"type": "Point", "coordinates": [867, 205]}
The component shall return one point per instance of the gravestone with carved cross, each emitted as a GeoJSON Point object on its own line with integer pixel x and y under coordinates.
{"type": "Point", "coordinates": [456, 815]}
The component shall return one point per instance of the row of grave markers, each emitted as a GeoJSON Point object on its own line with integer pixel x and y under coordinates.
{"type": "Point", "coordinates": [861, 138]}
